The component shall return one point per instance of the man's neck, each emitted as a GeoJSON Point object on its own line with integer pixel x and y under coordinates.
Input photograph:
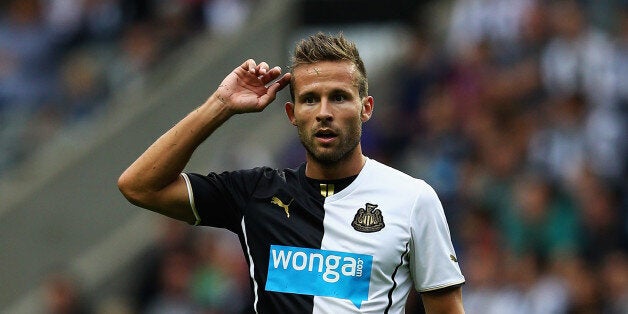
{"type": "Point", "coordinates": [344, 168]}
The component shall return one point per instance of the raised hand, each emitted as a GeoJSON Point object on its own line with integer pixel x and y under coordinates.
{"type": "Point", "coordinates": [248, 88]}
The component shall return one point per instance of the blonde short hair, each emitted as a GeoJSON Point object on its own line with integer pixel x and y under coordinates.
{"type": "Point", "coordinates": [323, 47]}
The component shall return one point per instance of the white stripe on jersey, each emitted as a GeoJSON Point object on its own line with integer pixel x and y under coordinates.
{"type": "Point", "coordinates": [252, 267]}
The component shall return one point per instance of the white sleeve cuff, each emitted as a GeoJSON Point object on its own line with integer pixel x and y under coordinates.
{"type": "Point", "coordinates": [191, 198]}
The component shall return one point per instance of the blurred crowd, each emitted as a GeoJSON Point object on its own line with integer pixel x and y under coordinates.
{"type": "Point", "coordinates": [518, 118]}
{"type": "Point", "coordinates": [60, 60]}
{"type": "Point", "coordinates": [187, 270]}
{"type": "Point", "coordinates": [515, 111]}
{"type": "Point", "coordinates": [192, 271]}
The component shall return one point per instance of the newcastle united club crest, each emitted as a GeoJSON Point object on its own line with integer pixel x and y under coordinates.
{"type": "Point", "coordinates": [368, 219]}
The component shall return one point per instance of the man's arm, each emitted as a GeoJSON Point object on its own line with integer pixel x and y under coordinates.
{"type": "Point", "coordinates": [154, 182]}
{"type": "Point", "coordinates": [443, 301]}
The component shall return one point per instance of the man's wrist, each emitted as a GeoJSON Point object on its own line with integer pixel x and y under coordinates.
{"type": "Point", "coordinates": [217, 106]}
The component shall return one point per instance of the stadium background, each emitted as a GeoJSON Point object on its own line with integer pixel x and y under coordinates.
{"type": "Point", "coordinates": [514, 110]}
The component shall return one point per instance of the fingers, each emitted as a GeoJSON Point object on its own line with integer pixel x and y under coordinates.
{"type": "Point", "coordinates": [263, 80]}
{"type": "Point", "coordinates": [262, 70]}
{"type": "Point", "coordinates": [249, 66]}
{"type": "Point", "coordinates": [274, 88]}
{"type": "Point", "coordinates": [270, 75]}
{"type": "Point", "coordinates": [281, 83]}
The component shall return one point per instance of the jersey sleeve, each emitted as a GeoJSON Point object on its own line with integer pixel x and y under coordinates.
{"type": "Point", "coordinates": [433, 262]}
{"type": "Point", "coordinates": [218, 199]}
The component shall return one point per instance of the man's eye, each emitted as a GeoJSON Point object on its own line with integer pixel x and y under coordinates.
{"type": "Point", "coordinates": [338, 98]}
{"type": "Point", "coordinates": [308, 100]}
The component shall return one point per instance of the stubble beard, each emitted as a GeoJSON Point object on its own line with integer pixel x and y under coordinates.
{"type": "Point", "coordinates": [331, 155]}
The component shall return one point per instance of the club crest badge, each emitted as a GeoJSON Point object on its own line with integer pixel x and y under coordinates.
{"type": "Point", "coordinates": [368, 219]}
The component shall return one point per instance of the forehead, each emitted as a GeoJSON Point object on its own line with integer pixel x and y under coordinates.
{"type": "Point", "coordinates": [339, 74]}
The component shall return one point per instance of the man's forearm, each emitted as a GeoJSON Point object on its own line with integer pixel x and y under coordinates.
{"type": "Point", "coordinates": [161, 164]}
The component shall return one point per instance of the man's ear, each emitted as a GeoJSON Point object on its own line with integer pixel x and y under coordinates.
{"type": "Point", "coordinates": [290, 113]}
{"type": "Point", "coordinates": [367, 108]}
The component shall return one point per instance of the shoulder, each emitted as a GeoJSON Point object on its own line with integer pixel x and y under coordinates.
{"type": "Point", "coordinates": [265, 176]}
{"type": "Point", "coordinates": [241, 179]}
{"type": "Point", "coordinates": [420, 192]}
{"type": "Point", "coordinates": [259, 173]}
{"type": "Point", "coordinates": [392, 176]}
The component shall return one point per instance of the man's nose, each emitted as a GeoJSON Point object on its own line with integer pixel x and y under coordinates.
{"type": "Point", "coordinates": [325, 111]}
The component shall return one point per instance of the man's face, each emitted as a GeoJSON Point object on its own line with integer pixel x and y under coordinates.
{"type": "Point", "coordinates": [328, 110]}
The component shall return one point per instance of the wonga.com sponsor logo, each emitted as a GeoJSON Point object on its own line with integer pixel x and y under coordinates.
{"type": "Point", "coordinates": [319, 272]}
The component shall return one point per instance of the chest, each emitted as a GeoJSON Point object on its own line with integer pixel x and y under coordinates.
{"type": "Point", "coordinates": [361, 223]}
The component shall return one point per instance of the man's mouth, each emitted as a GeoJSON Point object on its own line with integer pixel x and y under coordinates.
{"type": "Point", "coordinates": [325, 134]}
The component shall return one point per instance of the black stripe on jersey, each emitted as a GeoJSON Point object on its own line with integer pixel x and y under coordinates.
{"type": "Point", "coordinates": [394, 286]}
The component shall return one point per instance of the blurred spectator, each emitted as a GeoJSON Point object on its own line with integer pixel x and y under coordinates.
{"type": "Point", "coordinates": [103, 19]}
{"type": "Point", "coordinates": [614, 277]}
{"type": "Point", "coordinates": [540, 220]}
{"type": "Point", "coordinates": [583, 298]}
{"type": "Point", "coordinates": [501, 282]}
{"type": "Point", "coordinates": [420, 67]}
{"type": "Point", "coordinates": [173, 285]}
{"type": "Point", "coordinates": [139, 49]}
{"type": "Point", "coordinates": [603, 220]}
{"type": "Point", "coordinates": [558, 148]}
{"type": "Point", "coordinates": [579, 57]}
{"type": "Point", "coordinates": [606, 130]}
{"type": "Point", "coordinates": [64, 18]}
{"type": "Point", "coordinates": [27, 75]}
{"type": "Point", "coordinates": [220, 283]}
{"type": "Point", "coordinates": [540, 289]}
{"type": "Point", "coordinates": [173, 246]}
{"type": "Point", "coordinates": [113, 305]}
{"type": "Point", "coordinates": [177, 20]}
{"type": "Point", "coordinates": [483, 292]}
{"type": "Point", "coordinates": [83, 85]}
{"type": "Point", "coordinates": [63, 295]}
{"type": "Point", "coordinates": [28, 68]}
{"type": "Point", "coordinates": [621, 70]}
{"type": "Point", "coordinates": [497, 22]}
{"type": "Point", "coordinates": [435, 150]}
{"type": "Point", "coordinates": [225, 17]}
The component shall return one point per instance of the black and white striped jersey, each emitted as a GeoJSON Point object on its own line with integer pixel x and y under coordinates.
{"type": "Point", "coordinates": [359, 250]}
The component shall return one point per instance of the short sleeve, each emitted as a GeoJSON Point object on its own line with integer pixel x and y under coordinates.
{"type": "Point", "coordinates": [218, 200]}
{"type": "Point", "coordinates": [433, 262]}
